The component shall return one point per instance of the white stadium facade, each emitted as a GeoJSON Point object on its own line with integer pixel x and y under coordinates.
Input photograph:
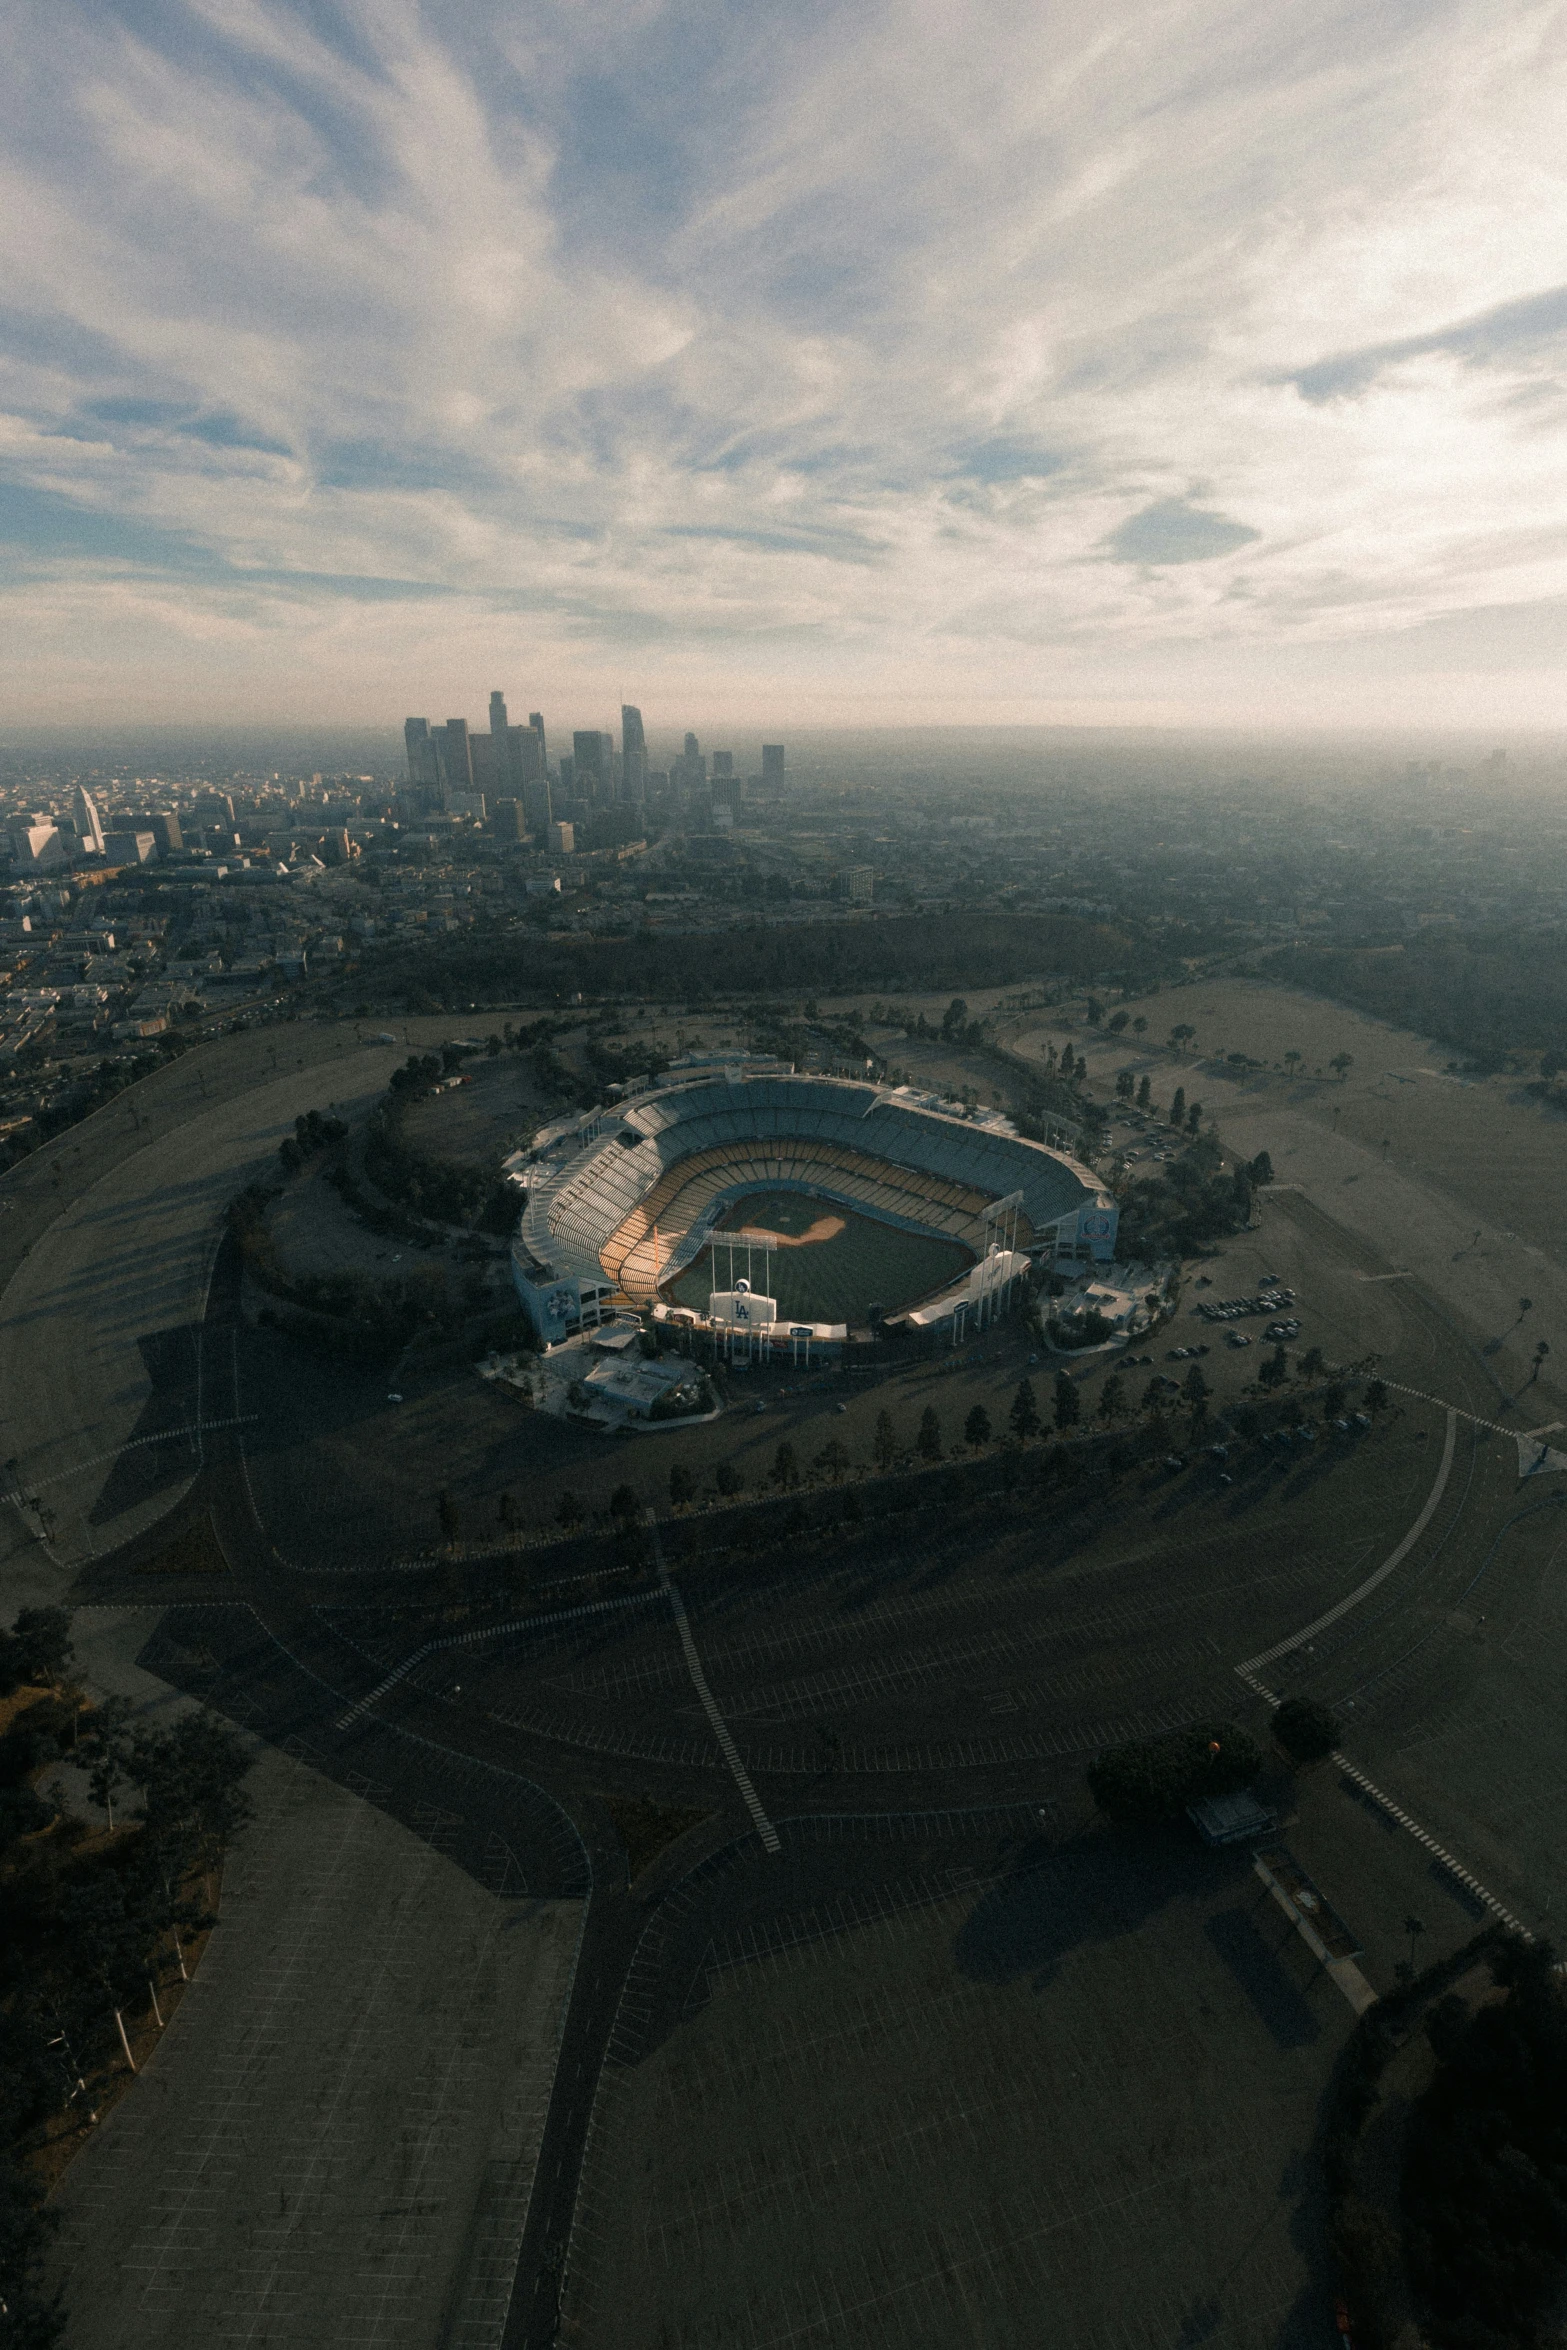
{"type": "Point", "coordinates": [623, 1200]}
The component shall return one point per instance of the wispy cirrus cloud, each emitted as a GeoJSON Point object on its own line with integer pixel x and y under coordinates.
{"type": "Point", "coordinates": [854, 357]}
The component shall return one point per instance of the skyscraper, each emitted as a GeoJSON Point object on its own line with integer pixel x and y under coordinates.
{"type": "Point", "coordinates": [590, 764]}
{"type": "Point", "coordinates": [633, 754]}
{"type": "Point", "coordinates": [420, 746]}
{"type": "Point", "coordinates": [497, 716]}
{"type": "Point", "coordinates": [89, 825]}
{"type": "Point", "coordinates": [452, 750]}
{"type": "Point", "coordinates": [772, 766]}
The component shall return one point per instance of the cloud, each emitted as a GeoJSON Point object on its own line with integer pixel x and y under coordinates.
{"type": "Point", "coordinates": [1509, 331]}
{"type": "Point", "coordinates": [1174, 531]}
{"type": "Point", "coordinates": [852, 348]}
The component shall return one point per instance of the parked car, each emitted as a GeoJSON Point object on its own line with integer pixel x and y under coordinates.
{"type": "Point", "coordinates": [1238, 1338]}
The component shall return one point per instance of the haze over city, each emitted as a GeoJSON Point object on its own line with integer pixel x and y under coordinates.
{"type": "Point", "coordinates": [833, 366]}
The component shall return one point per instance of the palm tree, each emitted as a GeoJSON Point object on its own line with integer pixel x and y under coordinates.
{"type": "Point", "coordinates": [1292, 1061]}
{"type": "Point", "coordinates": [1343, 1063]}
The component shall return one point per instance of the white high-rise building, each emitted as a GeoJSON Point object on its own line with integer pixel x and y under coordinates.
{"type": "Point", "coordinates": [35, 844]}
{"type": "Point", "coordinates": [89, 825]}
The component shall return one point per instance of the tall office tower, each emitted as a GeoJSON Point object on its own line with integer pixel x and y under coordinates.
{"type": "Point", "coordinates": [723, 764]}
{"type": "Point", "coordinates": [772, 767]}
{"type": "Point", "coordinates": [536, 722]}
{"type": "Point", "coordinates": [416, 747]}
{"type": "Point", "coordinates": [487, 760]}
{"type": "Point", "coordinates": [532, 782]}
{"type": "Point", "coordinates": [633, 754]}
{"type": "Point", "coordinates": [456, 760]}
{"type": "Point", "coordinates": [166, 832]}
{"type": "Point", "coordinates": [497, 716]}
{"type": "Point", "coordinates": [89, 825]}
{"type": "Point", "coordinates": [568, 776]}
{"type": "Point", "coordinates": [590, 752]}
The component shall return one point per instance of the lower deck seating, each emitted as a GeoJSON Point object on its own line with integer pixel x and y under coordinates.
{"type": "Point", "coordinates": [684, 1191]}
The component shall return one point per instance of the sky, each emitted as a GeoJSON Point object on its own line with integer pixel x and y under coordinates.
{"type": "Point", "coordinates": [1190, 362]}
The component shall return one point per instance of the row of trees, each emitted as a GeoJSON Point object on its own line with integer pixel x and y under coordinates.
{"type": "Point", "coordinates": [1485, 2173]}
{"type": "Point", "coordinates": [90, 1924]}
{"type": "Point", "coordinates": [1149, 1782]}
{"type": "Point", "coordinates": [836, 958]}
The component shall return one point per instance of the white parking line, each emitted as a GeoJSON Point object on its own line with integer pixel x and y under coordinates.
{"type": "Point", "coordinates": [731, 1753]}
{"type": "Point", "coordinates": [1364, 1590]}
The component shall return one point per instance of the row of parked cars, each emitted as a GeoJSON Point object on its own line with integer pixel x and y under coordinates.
{"type": "Point", "coordinates": [1271, 1295]}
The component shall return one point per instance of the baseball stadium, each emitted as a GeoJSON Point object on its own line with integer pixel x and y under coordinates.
{"type": "Point", "coordinates": [864, 1202]}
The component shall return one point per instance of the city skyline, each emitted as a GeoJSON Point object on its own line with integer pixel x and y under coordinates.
{"type": "Point", "coordinates": [1189, 373]}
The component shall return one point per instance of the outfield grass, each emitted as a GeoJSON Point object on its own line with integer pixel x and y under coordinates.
{"type": "Point", "coordinates": [831, 1280]}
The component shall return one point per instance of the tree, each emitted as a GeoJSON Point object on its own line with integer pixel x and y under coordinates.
{"type": "Point", "coordinates": [955, 1016]}
{"type": "Point", "coordinates": [834, 1459]}
{"type": "Point", "coordinates": [1118, 1023]}
{"type": "Point", "coordinates": [190, 1778]}
{"type": "Point", "coordinates": [928, 1442]}
{"type": "Point", "coordinates": [1193, 1117]}
{"type": "Point", "coordinates": [682, 1485]}
{"type": "Point", "coordinates": [1024, 1415]}
{"type": "Point", "coordinates": [1153, 1397]}
{"type": "Point", "coordinates": [103, 1746]}
{"type": "Point", "coordinates": [625, 1506]}
{"type": "Point", "coordinates": [569, 1510]}
{"type": "Point", "coordinates": [1275, 1370]}
{"type": "Point", "coordinates": [1525, 1306]}
{"type": "Point", "coordinates": [448, 1513]}
{"type": "Point", "coordinates": [1144, 1093]}
{"type": "Point", "coordinates": [1180, 1034]}
{"type": "Point", "coordinates": [728, 1479]}
{"type": "Point", "coordinates": [37, 1648]}
{"type": "Point", "coordinates": [1305, 1729]}
{"type": "Point", "coordinates": [785, 1471]}
{"type": "Point", "coordinates": [1112, 1398]}
{"type": "Point", "coordinates": [1140, 1025]}
{"type": "Point", "coordinates": [1541, 1352]}
{"type": "Point", "coordinates": [1068, 1403]}
{"type": "Point", "coordinates": [506, 1511]}
{"type": "Point", "coordinates": [1178, 1106]}
{"type": "Point", "coordinates": [1292, 1060]}
{"type": "Point", "coordinates": [1311, 1364]}
{"type": "Point", "coordinates": [1260, 1170]}
{"type": "Point", "coordinates": [1194, 1386]}
{"type": "Point", "coordinates": [1153, 1780]}
{"type": "Point", "coordinates": [1125, 1085]}
{"type": "Point", "coordinates": [884, 1444]}
{"type": "Point", "coordinates": [1375, 1398]}
{"type": "Point", "coordinates": [1334, 1399]}
{"type": "Point", "coordinates": [976, 1429]}
{"type": "Point", "coordinates": [1343, 1063]}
